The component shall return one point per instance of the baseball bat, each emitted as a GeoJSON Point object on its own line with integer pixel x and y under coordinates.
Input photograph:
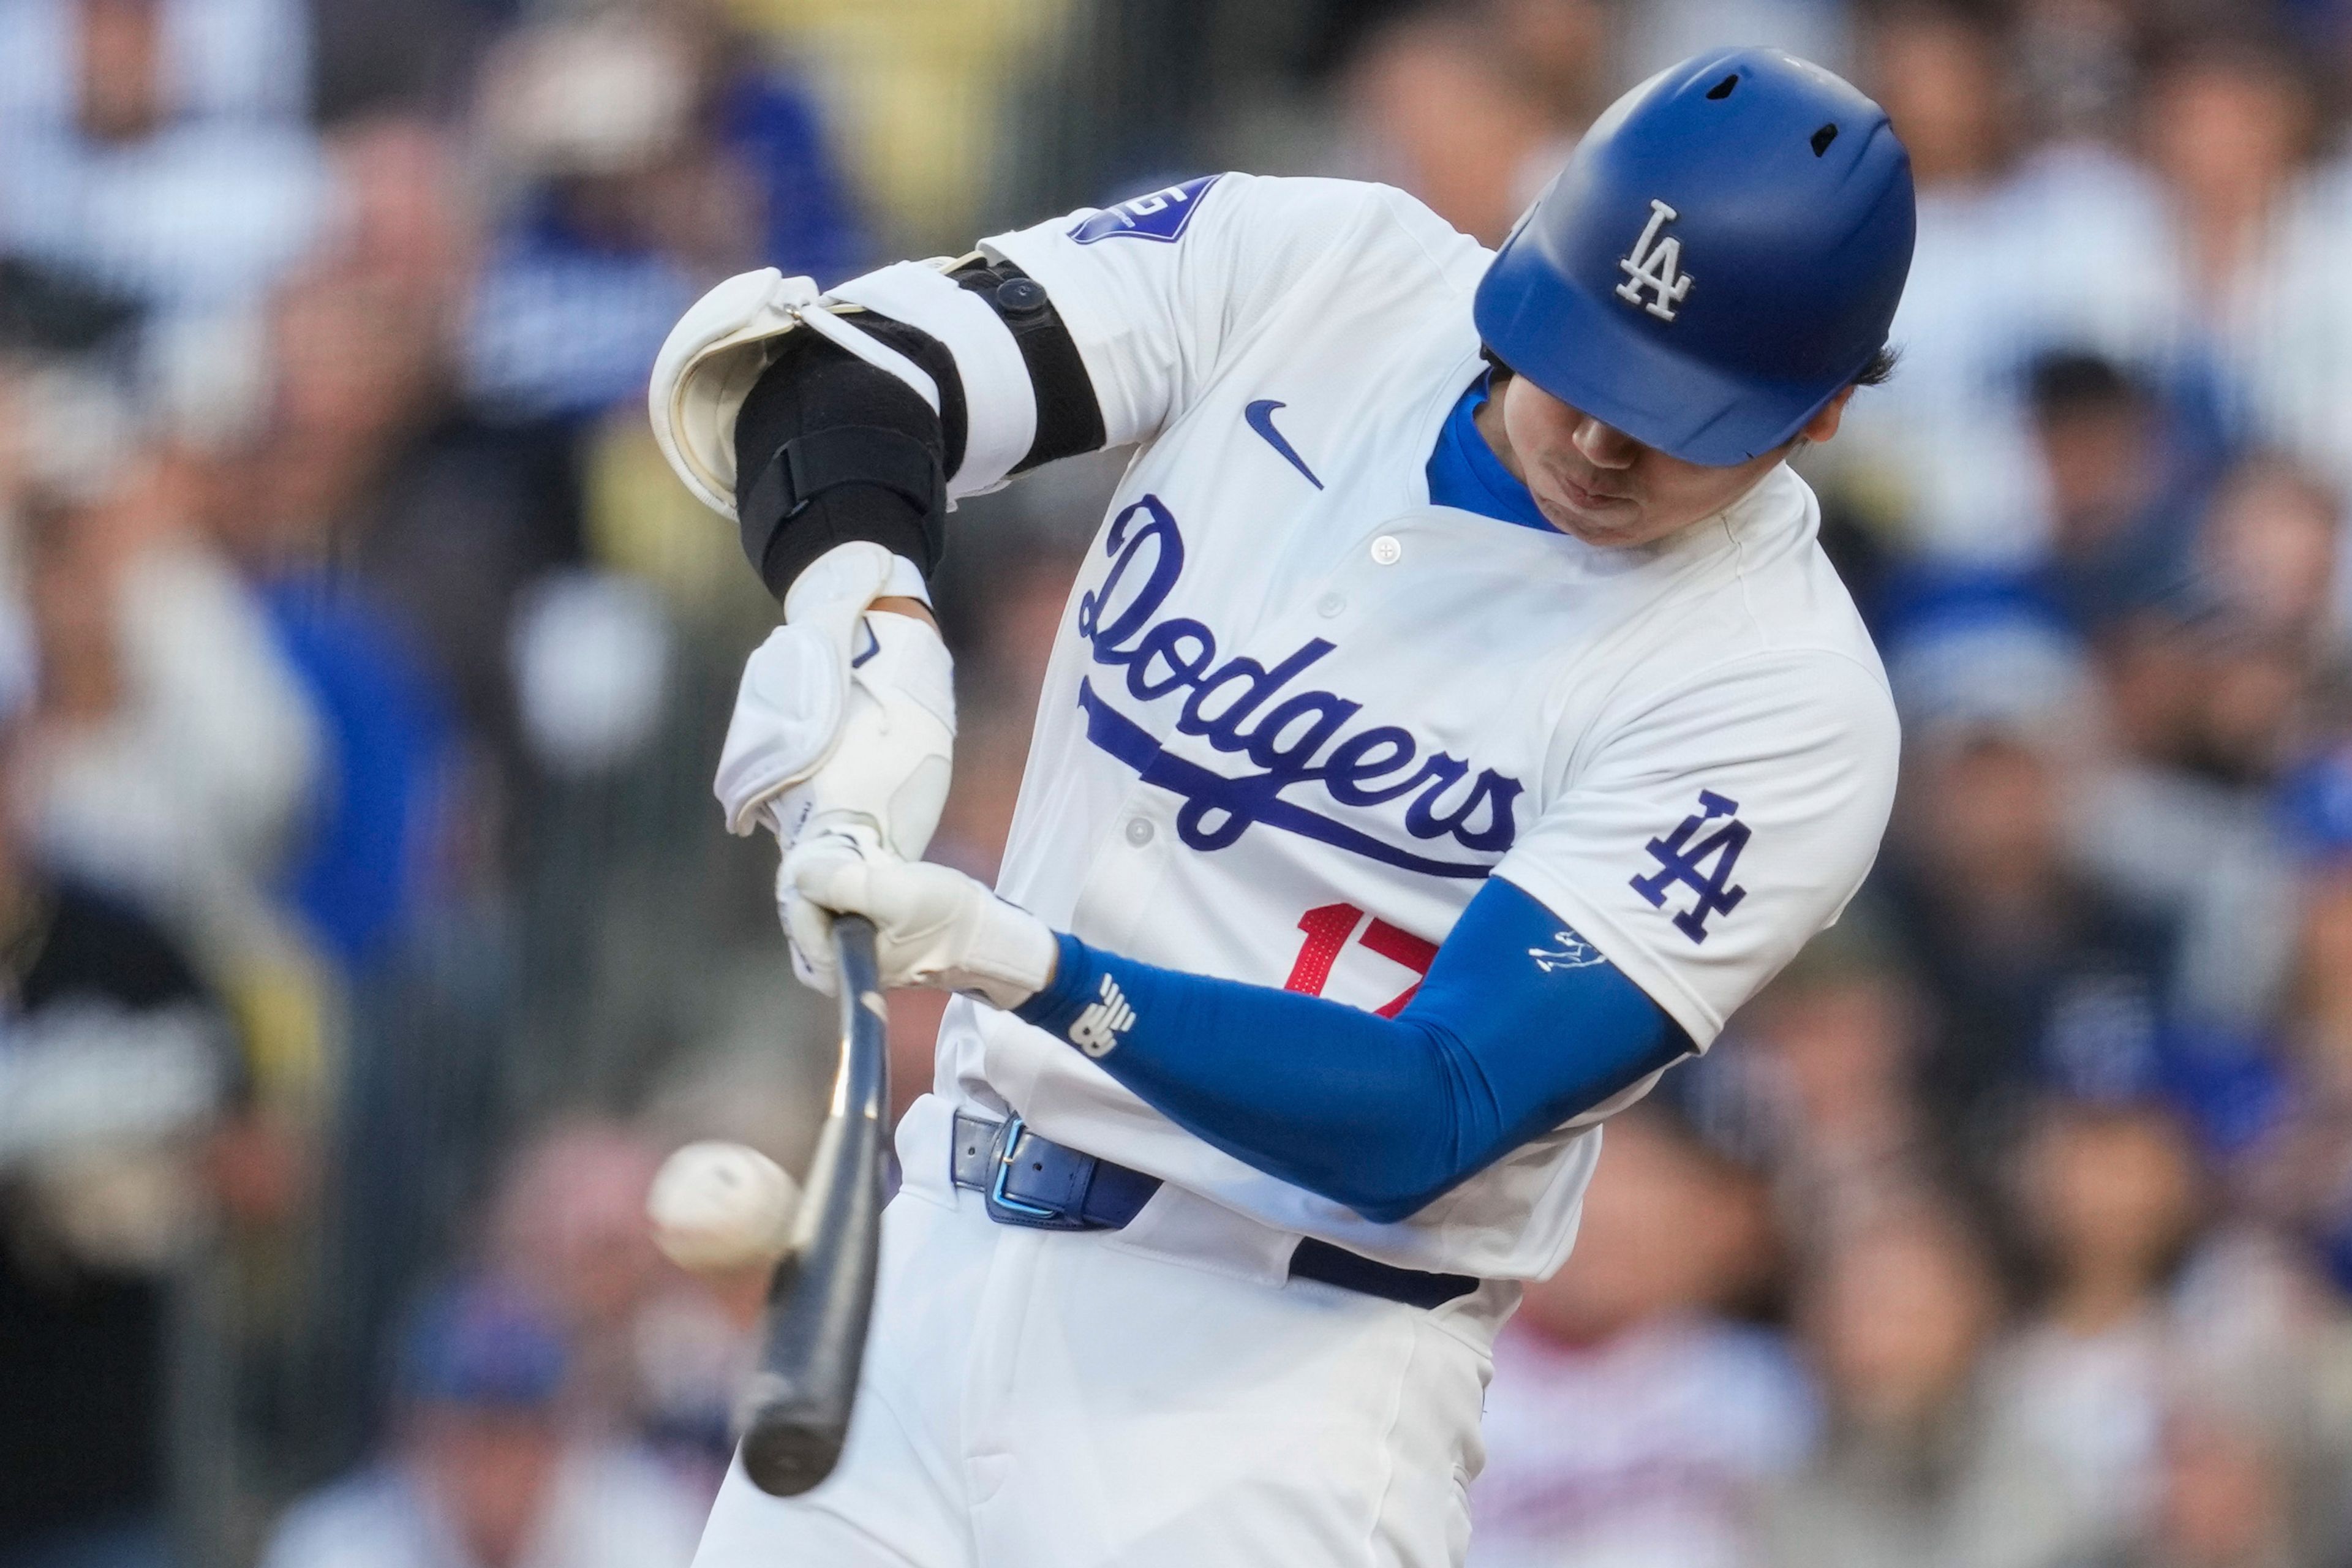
{"type": "Point", "coordinates": [795, 1413]}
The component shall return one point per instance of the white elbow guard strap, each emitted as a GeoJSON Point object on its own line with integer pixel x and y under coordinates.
{"type": "Point", "coordinates": [713, 357]}
{"type": "Point", "coordinates": [999, 405]}
{"type": "Point", "coordinates": [977, 340]}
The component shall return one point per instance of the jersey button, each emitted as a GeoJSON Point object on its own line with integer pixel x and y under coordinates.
{"type": "Point", "coordinates": [1138, 832]}
{"type": "Point", "coordinates": [1386, 551]}
{"type": "Point", "coordinates": [1330, 604]}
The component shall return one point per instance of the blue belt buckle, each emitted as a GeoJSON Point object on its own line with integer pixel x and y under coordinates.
{"type": "Point", "coordinates": [1022, 1213]}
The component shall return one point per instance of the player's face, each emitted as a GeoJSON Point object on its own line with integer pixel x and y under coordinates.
{"type": "Point", "coordinates": [1603, 487]}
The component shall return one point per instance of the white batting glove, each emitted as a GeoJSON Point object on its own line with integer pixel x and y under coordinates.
{"type": "Point", "coordinates": [933, 925]}
{"type": "Point", "coordinates": [808, 927]}
{"type": "Point", "coordinates": [844, 722]}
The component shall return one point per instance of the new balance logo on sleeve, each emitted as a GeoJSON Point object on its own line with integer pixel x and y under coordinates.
{"type": "Point", "coordinates": [1573, 953]}
{"type": "Point", "coordinates": [1097, 1029]}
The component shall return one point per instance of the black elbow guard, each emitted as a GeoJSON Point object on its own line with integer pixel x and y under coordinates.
{"type": "Point", "coordinates": [830, 450]}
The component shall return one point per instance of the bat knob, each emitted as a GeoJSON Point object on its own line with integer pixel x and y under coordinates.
{"type": "Point", "coordinates": [788, 1446]}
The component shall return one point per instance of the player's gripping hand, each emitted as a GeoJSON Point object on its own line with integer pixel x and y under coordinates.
{"type": "Point", "coordinates": [933, 925]}
{"type": "Point", "coordinates": [844, 722]}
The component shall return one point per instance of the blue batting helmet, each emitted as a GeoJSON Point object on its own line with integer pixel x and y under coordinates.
{"type": "Point", "coordinates": [1720, 257]}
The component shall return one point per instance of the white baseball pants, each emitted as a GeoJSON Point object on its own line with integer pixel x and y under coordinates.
{"type": "Point", "coordinates": [1154, 1397]}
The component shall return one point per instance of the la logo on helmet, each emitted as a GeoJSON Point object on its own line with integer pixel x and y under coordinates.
{"type": "Point", "coordinates": [1656, 266]}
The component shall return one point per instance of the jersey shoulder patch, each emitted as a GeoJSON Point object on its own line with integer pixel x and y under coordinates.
{"type": "Point", "coordinates": [1161, 215]}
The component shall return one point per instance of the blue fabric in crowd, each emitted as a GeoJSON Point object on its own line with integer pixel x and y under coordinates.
{"type": "Point", "coordinates": [567, 316]}
{"type": "Point", "coordinates": [811, 223]}
{"type": "Point", "coordinates": [1520, 1026]}
{"type": "Point", "coordinates": [484, 1345]}
{"type": "Point", "coordinates": [1463, 471]}
{"type": "Point", "coordinates": [565, 322]}
{"type": "Point", "coordinates": [358, 878]}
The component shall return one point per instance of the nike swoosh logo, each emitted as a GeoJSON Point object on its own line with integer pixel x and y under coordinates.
{"type": "Point", "coordinates": [1260, 416]}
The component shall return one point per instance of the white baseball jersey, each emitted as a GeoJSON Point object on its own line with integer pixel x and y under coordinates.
{"type": "Point", "coordinates": [1296, 715]}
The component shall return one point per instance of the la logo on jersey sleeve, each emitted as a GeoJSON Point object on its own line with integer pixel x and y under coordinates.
{"type": "Point", "coordinates": [1702, 864]}
{"type": "Point", "coordinates": [1162, 216]}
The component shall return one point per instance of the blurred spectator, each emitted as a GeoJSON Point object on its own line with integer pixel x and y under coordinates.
{"type": "Point", "coordinates": [2076, 63]}
{"type": "Point", "coordinates": [160, 146]}
{"type": "Point", "coordinates": [2214, 694]}
{"type": "Point", "coordinates": [2223, 1503]}
{"type": "Point", "coordinates": [364, 861]}
{"type": "Point", "coordinates": [2266, 1344]}
{"type": "Point", "coordinates": [2109, 1198]}
{"type": "Point", "coordinates": [1629, 1420]}
{"type": "Point", "coordinates": [1442, 105]}
{"type": "Point", "coordinates": [1913, 1469]}
{"type": "Point", "coordinates": [2120, 511]}
{"type": "Point", "coordinates": [119, 1083]}
{"type": "Point", "coordinates": [1821, 1080]}
{"type": "Point", "coordinates": [346, 389]}
{"type": "Point", "coordinates": [2230, 125]}
{"type": "Point", "coordinates": [569, 1221]}
{"type": "Point", "coordinates": [2222, 1494]}
{"type": "Point", "coordinates": [481, 1472]}
{"type": "Point", "coordinates": [2020, 251]}
{"type": "Point", "coordinates": [2305, 1176]}
{"type": "Point", "coordinates": [368, 59]}
{"type": "Point", "coordinates": [658, 155]}
{"type": "Point", "coordinates": [2172, 267]}
{"type": "Point", "coordinates": [1563, 52]}
{"type": "Point", "coordinates": [2271, 553]}
{"type": "Point", "coordinates": [581, 286]}
{"type": "Point", "coordinates": [173, 747]}
{"type": "Point", "coordinates": [774, 141]}
{"type": "Point", "coordinates": [394, 528]}
{"type": "Point", "coordinates": [2033, 973]}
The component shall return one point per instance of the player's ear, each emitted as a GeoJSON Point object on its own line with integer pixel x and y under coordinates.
{"type": "Point", "coordinates": [1824, 424]}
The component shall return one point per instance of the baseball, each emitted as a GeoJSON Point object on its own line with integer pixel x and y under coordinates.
{"type": "Point", "coordinates": [723, 1205]}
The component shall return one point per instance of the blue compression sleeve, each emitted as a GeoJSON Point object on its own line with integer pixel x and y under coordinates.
{"type": "Point", "coordinates": [1520, 1026]}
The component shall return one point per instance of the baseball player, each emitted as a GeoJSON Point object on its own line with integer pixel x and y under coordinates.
{"type": "Point", "coordinates": [1455, 720]}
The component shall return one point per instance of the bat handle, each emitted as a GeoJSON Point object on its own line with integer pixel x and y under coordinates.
{"type": "Point", "coordinates": [822, 1297]}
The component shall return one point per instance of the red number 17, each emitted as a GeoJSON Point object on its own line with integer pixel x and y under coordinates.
{"type": "Point", "coordinates": [1328, 930]}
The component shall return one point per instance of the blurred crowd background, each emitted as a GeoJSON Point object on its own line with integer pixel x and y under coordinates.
{"type": "Point", "coordinates": [367, 931]}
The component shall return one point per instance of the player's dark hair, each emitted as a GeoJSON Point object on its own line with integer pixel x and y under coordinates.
{"type": "Point", "coordinates": [1878, 371]}
{"type": "Point", "coordinates": [1880, 368]}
